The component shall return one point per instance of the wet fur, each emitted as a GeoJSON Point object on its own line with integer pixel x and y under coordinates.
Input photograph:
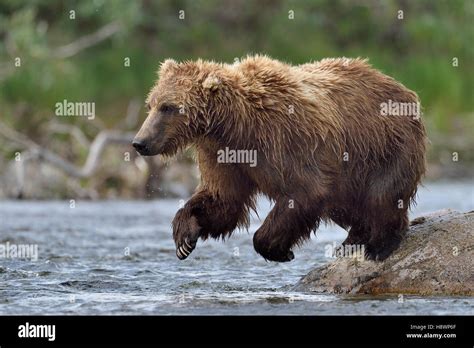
{"type": "Point", "coordinates": [336, 110]}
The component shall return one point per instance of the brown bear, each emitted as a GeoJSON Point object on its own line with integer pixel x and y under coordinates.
{"type": "Point", "coordinates": [335, 140]}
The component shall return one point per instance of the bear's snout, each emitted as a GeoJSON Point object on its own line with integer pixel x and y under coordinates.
{"type": "Point", "coordinates": [139, 145]}
{"type": "Point", "coordinates": [144, 147]}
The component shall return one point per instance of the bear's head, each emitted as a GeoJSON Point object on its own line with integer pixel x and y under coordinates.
{"type": "Point", "coordinates": [184, 105]}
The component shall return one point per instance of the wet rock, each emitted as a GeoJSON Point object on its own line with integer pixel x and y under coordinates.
{"type": "Point", "coordinates": [435, 258]}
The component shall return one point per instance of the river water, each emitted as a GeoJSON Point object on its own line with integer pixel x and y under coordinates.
{"type": "Point", "coordinates": [118, 257]}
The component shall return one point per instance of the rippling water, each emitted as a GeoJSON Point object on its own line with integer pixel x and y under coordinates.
{"type": "Point", "coordinates": [118, 257]}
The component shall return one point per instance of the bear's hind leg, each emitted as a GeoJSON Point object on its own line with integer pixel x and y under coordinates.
{"type": "Point", "coordinates": [386, 235]}
{"type": "Point", "coordinates": [392, 188]}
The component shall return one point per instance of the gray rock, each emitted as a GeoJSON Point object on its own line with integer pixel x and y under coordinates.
{"type": "Point", "coordinates": [435, 258]}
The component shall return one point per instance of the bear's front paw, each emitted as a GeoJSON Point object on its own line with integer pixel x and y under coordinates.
{"type": "Point", "coordinates": [270, 253]}
{"type": "Point", "coordinates": [278, 255]}
{"type": "Point", "coordinates": [184, 249]}
{"type": "Point", "coordinates": [185, 233]}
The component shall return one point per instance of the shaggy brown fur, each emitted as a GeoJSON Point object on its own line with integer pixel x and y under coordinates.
{"type": "Point", "coordinates": [325, 151]}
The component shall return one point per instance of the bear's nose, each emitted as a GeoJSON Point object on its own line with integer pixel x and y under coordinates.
{"type": "Point", "coordinates": [139, 145]}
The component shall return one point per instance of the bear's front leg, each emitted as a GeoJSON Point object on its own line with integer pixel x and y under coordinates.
{"type": "Point", "coordinates": [286, 225]}
{"type": "Point", "coordinates": [186, 232]}
{"type": "Point", "coordinates": [204, 216]}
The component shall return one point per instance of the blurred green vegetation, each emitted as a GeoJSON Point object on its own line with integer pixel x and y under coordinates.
{"type": "Point", "coordinates": [417, 49]}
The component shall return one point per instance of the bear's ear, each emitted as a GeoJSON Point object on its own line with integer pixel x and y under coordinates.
{"type": "Point", "coordinates": [167, 65]}
{"type": "Point", "coordinates": [211, 83]}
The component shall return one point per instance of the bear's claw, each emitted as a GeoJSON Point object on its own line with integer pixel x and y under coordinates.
{"type": "Point", "coordinates": [185, 249]}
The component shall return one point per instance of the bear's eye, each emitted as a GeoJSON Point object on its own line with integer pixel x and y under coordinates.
{"type": "Point", "coordinates": [166, 108]}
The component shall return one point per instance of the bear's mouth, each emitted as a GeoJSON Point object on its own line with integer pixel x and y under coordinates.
{"type": "Point", "coordinates": [146, 148]}
{"type": "Point", "coordinates": [167, 149]}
